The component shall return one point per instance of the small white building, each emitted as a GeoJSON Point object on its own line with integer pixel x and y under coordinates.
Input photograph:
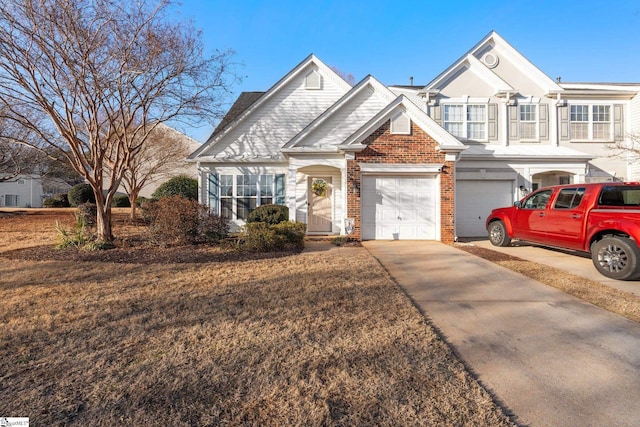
{"type": "Point", "coordinates": [23, 191]}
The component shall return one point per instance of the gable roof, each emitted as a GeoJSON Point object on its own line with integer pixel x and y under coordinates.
{"type": "Point", "coordinates": [265, 97]}
{"type": "Point", "coordinates": [470, 60]}
{"type": "Point", "coordinates": [445, 140]}
{"type": "Point", "coordinates": [244, 101]}
{"type": "Point", "coordinates": [369, 82]}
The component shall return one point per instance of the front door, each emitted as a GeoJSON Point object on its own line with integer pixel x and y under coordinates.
{"type": "Point", "coordinates": [319, 204]}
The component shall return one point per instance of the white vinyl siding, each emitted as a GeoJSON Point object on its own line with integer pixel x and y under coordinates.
{"type": "Point", "coordinates": [466, 121]}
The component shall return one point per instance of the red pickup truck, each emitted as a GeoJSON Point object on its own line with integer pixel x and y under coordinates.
{"type": "Point", "coordinates": [603, 219]}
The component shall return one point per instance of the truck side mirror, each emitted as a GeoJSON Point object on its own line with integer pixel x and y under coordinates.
{"type": "Point", "coordinates": [517, 204]}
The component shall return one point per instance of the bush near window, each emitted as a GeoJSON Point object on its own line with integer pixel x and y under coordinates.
{"type": "Point", "coordinates": [81, 193]}
{"type": "Point", "coordinates": [270, 214]}
{"type": "Point", "coordinates": [57, 201]}
{"type": "Point", "coordinates": [121, 201]}
{"type": "Point", "coordinates": [87, 213]}
{"type": "Point", "coordinates": [263, 237]}
{"type": "Point", "coordinates": [176, 220]}
{"type": "Point", "coordinates": [180, 185]}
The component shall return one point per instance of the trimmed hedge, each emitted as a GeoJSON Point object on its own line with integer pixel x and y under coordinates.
{"type": "Point", "coordinates": [263, 237]}
{"type": "Point", "coordinates": [57, 201]}
{"type": "Point", "coordinates": [269, 214]}
{"type": "Point", "coordinates": [81, 193]}
{"type": "Point", "coordinates": [180, 185]}
{"type": "Point", "coordinates": [121, 201]}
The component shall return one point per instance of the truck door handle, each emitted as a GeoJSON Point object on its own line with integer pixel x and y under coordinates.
{"type": "Point", "coordinates": [541, 214]}
{"type": "Point", "coordinates": [576, 216]}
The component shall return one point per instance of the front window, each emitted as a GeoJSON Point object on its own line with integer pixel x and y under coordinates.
{"type": "Point", "coordinates": [466, 121]}
{"type": "Point", "coordinates": [12, 200]}
{"type": "Point", "coordinates": [528, 121]}
{"type": "Point", "coordinates": [590, 122]}
{"type": "Point", "coordinates": [239, 195]}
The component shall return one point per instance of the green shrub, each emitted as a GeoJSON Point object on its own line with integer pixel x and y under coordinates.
{"type": "Point", "coordinates": [76, 237]}
{"type": "Point", "coordinates": [270, 214]}
{"type": "Point", "coordinates": [87, 213]}
{"type": "Point", "coordinates": [121, 201]}
{"type": "Point", "coordinates": [81, 193]}
{"type": "Point", "coordinates": [176, 220]}
{"type": "Point", "coordinates": [263, 237]}
{"type": "Point", "coordinates": [178, 186]}
{"type": "Point", "coordinates": [57, 201]}
{"type": "Point", "coordinates": [141, 200]}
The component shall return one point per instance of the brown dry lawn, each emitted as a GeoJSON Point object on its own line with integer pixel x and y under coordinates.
{"type": "Point", "coordinates": [202, 336]}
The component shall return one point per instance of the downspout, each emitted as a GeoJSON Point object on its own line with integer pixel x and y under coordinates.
{"type": "Point", "coordinates": [505, 122]}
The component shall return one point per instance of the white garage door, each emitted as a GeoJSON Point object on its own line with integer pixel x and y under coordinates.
{"type": "Point", "coordinates": [399, 208]}
{"type": "Point", "coordinates": [474, 202]}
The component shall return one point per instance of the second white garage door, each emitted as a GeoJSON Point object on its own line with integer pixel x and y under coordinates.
{"type": "Point", "coordinates": [399, 208]}
{"type": "Point", "coordinates": [474, 202]}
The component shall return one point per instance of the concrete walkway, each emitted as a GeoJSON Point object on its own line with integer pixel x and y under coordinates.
{"type": "Point", "coordinates": [549, 358]}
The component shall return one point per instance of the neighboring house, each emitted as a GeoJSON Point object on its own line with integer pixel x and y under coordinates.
{"type": "Point", "coordinates": [179, 167]}
{"type": "Point", "coordinates": [426, 162]}
{"type": "Point", "coordinates": [524, 129]}
{"type": "Point", "coordinates": [22, 191]}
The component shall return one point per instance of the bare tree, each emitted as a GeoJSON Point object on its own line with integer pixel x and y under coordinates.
{"type": "Point", "coordinates": [16, 158]}
{"type": "Point", "coordinates": [105, 73]}
{"type": "Point", "coordinates": [164, 151]}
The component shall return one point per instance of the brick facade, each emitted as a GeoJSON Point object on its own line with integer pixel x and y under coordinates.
{"type": "Point", "coordinates": [418, 147]}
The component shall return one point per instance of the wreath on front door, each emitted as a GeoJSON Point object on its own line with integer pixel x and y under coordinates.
{"type": "Point", "coordinates": [319, 187]}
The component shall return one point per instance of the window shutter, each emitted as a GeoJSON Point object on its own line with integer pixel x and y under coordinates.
{"type": "Point", "coordinates": [513, 122]}
{"type": "Point", "coordinates": [279, 181]}
{"type": "Point", "coordinates": [544, 121]}
{"type": "Point", "coordinates": [435, 111]}
{"type": "Point", "coordinates": [492, 132]}
{"type": "Point", "coordinates": [563, 113]}
{"type": "Point", "coordinates": [618, 122]}
{"type": "Point", "coordinates": [213, 190]}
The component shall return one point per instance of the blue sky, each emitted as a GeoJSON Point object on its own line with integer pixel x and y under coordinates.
{"type": "Point", "coordinates": [587, 41]}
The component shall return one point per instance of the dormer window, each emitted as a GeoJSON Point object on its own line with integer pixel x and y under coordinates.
{"type": "Point", "coordinates": [401, 124]}
{"type": "Point", "coordinates": [313, 81]}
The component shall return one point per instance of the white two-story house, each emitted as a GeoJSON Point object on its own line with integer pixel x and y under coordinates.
{"type": "Point", "coordinates": [415, 162]}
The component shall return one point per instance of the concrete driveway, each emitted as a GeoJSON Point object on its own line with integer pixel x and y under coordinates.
{"type": "Point", "coordinates": [549, 358]}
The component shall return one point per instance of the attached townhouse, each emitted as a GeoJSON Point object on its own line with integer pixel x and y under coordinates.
{"type": "Point", "coordinates": [414, 162]}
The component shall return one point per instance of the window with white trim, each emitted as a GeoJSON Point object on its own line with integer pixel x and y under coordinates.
{"type": "Point", "coordinates": [528, 121]}
{"type": "Point", "coordinates": [590, 122]}
{"type": "Point", "coordinates": [12, 200]}
{"type": "Point", "coordinates": [239, 195]}
{"type": "Point", "coordinates": [466, 121]}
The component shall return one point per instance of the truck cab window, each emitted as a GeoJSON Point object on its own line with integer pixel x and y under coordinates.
{"type": "Point", "coordinates": [569, 198]}
{"type": "Point", "coordinates": [537, 200]}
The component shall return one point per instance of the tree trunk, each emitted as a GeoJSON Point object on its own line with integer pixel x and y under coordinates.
{"type": "Point", "coordinates": [133, 196]}
{"type": "Point", "coordinates": [103, 220]}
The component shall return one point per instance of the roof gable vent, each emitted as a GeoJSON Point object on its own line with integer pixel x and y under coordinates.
{"type": "Point", "coordinates": [490, 59]}
{"type": "Point", "coordinates": [400, 124]}
{"type": "Point", "coordinates": [313, 80]}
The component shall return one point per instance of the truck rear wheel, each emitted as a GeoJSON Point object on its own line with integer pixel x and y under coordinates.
{"type": "Point", "coordinates": [498, 234]}
{"type": "Point", "coordinates": [616, 257]}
